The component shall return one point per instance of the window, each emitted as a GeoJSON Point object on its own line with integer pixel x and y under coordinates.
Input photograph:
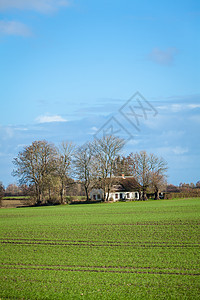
{"type": "Point", "coordinates": [136, 195]}
{"type": "Point", "coordinates": [94, 197]}
{"type": "Point", "coordinates": [98, 196]}
{"type": "Point", "coordinates": [121, 196]}
{"type": "Point", "coordinates": [128, 195]}
{"type": "Point", "coordinates": [116, 196]}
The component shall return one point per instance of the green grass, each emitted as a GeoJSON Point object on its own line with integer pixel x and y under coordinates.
{"type": "Point", "coordinates": [133, 250]}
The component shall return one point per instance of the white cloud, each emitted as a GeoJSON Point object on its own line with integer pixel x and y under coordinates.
{"type": "Point", "coordinates": [94, 128]}
{"type": "Point", "coordinates": [21, 128]}
{"type": "Point", "coordinates": [194, 106]}
{"type": "Point", "coordinates": [14, 28]}
{"type": "Point", "coordinates": [50, 119]}
{"type": "Point", "coordinates": [134, 142]}
{"type": "Point", "coordinates": [177, 107]}
{"type": "Point", "coordinates": [167, 151]}
{"type": "Point", "coordinates": [163, 57]}
{"type": "Point", "coordinates": [21, 146]}
{"type": "Point", "coordinates": [43, 6]}
{"type": "Point", "coordinates": [180, 150]}
{"type": "Point", "coordinates": [163, 107]}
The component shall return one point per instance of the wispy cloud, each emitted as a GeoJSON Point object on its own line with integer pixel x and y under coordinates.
{"type": "Point", "coordinates": [194, 105]}
{"type": "Point", "coordinates": [21, 146]}
{"type": "Point", "coordinates": [14, 28]}
{"type": "Point", "coordinates": [43, 6]}
{"type": "Point", "coordinates": [180, 150]}
{"type": "Point", "coordinates": [50, 119]}
{"type": "Point", "coordinates": [177, 107]}
{"type": "Point", "coordinates": [163, 57]}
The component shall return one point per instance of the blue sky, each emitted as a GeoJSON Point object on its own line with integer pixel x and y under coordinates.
{"type": "Point", "coordinates": [67, 67]}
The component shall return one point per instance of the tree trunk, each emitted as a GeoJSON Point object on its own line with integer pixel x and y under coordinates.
{"type": "Point", "coordinates": [107, 198]}
{"type": "Point", "coordinates": [144, 195]}
{"type": "Point", "coordinates": [38, 192]}
{"type": "Point", "coordinates": [156, 197]}
{"type": "Point", "coordinates": [104, 192]}
{"type": "Point", "coordinates": [62, 201]}
{"type": "Point", "coordinates": [86, 192]}
{"type": "Point", "coordinates": [49, 194]}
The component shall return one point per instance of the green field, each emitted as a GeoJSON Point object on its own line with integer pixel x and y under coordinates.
{"type": "Point", "coordinates": [133, 250]}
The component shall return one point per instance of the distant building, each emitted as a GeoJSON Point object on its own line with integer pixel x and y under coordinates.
{"type": "Point", "coordinates": [122, 188]}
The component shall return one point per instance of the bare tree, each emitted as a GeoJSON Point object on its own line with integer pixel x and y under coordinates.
{"type": "Point", "coordinates": [158, 167]}
{"type": "Point", "coordinates": [52, 186]}
{"type": "Point", "coordinates": [63, 162]}
{"type": "Point", "coordinates": [83, 164]}
{"type": "Point", "coordinates": [149, 171]}
{"type": "Point", "coordinates": [140, 168]}
{"type": "Point", "coordinates": [122, 166]}
{"type": "Point", "coordinates": [105, 151]}
{"type": "Point", "coordinates": [34, 164]}
{"type": "Point", "coordinates": [13, 189]}
{"type": "Point", "coordinates": [25, 189]}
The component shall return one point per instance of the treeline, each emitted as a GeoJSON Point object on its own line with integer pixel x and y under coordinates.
{"type": "Point", "coordinates": [184, 190]}
{"type": "Point", "coordinates": [14, 190]}
{"type": "Point", "coordinates": [49, 173]}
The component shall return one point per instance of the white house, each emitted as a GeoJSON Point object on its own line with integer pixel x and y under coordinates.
{"type": "Point", "coordinates": [96, 194]}
{"type": "Point", "coordinates": [123, 188]}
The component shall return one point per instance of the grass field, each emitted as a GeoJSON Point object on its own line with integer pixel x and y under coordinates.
{"type": "Point", "coordinates": [133, 250]}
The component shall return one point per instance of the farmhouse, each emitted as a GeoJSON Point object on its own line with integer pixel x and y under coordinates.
{"type": "Point", "coordinates": [122, 188]}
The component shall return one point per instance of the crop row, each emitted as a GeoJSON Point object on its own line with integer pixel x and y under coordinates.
{"type": "Point", "coordinates": [97, 269]}
{"type": "Point", "coordinates": [13, 240]}
{"type": "Point", "coordinates": [92, 266]}
{"type": "Point", "coordinates": [104, 244]}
